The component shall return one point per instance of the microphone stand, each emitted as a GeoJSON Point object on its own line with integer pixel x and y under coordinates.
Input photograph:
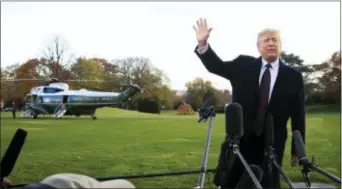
{"type": "Point", "coordinates": [271, 160]}
{"type": "Point", "coordinates": [205, 113]}
{"type": "Point", "coordinates": [234, 144]}
{"type": "Point", "coordinates": [304, 163]}
{"type": "Point", "coordinates": [307, 165]}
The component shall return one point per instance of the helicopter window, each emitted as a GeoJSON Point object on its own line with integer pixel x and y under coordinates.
{"type": "Point", "coordinates": [51, 90]}
{"type": "Point", "coordinates": [52, 99]}
{"type": "Point", "coordinates": [87, 99]}
{"type": "Point", "coordinates": [75, 99]}
{"type": "Point", "coordinates": [28, 98]}
{"type": "Point", "coordinates": [106, 98]}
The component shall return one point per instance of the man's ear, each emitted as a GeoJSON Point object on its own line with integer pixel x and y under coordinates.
{"type": "Point", "coordinates": [258, 46]}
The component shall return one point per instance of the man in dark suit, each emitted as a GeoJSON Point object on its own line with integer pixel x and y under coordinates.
{"type": "Point", "coordinates": [261, 85]}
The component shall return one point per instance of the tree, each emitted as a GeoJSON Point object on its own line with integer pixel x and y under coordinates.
{"type": "Point", "coordinates": [296, 62]}
{"type": "Point", "coordinates": [31, 69]}
{"type": "Point", "coordinates": [165, 96]}
{"type": "Point", "coordinates": [8, 88]}
{"type": "Point", "coordinates": [198, 91]}
{"type": "Point", "coordinates": [140, 71]}
{"type": "Point", "coordinates": [177, 100]}
{"type": "Point", "coordinates": [110, 75]}
{"type": "Point", "coordinates": [223, 97]}
{"type": "Point", "coordinates": [87, 69]}
{"type": "Point", "coordinates": [55, 58]}
{"type": "Point", "coordinates": [329, 79]}
{"type": "Point", "coordinates": [9, 71]}
{"type": "Point", "coordinates": [149, 106]}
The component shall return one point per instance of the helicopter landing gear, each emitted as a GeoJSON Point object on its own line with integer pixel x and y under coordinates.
{"type": "Point", "coordinates": [34, 116]}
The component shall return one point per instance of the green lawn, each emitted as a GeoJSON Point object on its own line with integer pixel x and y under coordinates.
{"type": "Point", "coordinates": [124, 143]}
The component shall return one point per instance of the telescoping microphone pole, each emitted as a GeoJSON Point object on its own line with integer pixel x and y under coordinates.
{"type": "Point", "coordinates": [12, 153]}
{"type": "Point", "coordinates": [234, 131]}
{"type": "Point", "coordinates": [306, 164]}
{"type": "Point", "coordinates": [269, 152]}
{"type": "Point", "coordinates": [205, 113]}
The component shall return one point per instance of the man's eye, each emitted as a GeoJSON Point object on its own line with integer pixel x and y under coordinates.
{"type": "Point", "coordinates": [270, 39]}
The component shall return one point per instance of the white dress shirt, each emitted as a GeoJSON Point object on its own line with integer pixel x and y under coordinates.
{"type": "Point", "coordinates": [274, 70]}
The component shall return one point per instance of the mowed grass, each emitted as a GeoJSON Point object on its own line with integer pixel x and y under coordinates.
{"type": "Point", "coordinates": [125, 142]}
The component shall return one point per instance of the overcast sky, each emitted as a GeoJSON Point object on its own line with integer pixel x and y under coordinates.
{"type": "Point", "coordinates": [163, 32]}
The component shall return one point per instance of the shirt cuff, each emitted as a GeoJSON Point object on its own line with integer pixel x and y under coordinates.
{"type": "Point", "coordinates": [202, 50]}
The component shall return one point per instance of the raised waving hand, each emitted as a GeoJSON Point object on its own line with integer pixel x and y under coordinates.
{"type": "Point", "coordinates": [202, 31]}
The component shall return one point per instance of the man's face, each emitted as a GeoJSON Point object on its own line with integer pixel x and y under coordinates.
{"type": "Point", "coordinates": [269, 46]}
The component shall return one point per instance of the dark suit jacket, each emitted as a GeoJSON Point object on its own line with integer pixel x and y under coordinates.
{"type": "Point", "coordinates": [287, 100]}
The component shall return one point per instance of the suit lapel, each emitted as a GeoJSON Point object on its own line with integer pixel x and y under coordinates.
{"type": "Point", "coordinates": [278, 83]}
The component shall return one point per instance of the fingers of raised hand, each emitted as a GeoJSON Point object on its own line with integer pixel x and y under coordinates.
{"type": "Point", "coordinates": [194, 28]}
{"type": "Point", "coordinates": [202, 23]}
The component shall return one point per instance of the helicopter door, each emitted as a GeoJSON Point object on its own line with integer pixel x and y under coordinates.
{"type": "Point", "coordinates": [65, 99]}
{"type": "Point", "coordinates": [34, 98]}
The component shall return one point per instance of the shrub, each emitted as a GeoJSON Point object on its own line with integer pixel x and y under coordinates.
{"type": "Point", "coordinates": [176, 104]}
{"type": "Point", "coordinates": [149, 106]}
{"type": "Point", "coordinates": [185, 109]}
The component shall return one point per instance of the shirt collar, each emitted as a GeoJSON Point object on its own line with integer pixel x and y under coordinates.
{"type": "Point", "coordinates": [274, 64]}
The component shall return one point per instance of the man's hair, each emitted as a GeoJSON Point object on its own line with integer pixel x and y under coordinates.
{"type": "Point", "coordinates": [268, 30]}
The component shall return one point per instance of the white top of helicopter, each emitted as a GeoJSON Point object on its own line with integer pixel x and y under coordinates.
{"type": "Point", "coordinates": [65, 91]}
{"type": "Point", "coordinates": [59, 85]}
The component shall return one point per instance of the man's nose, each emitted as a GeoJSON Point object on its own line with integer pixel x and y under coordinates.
{"type": "Point", "coordinates": [271, 45]}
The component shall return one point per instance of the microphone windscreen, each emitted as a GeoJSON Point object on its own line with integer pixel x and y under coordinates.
{"type": "Point", "coordinates": [246, 181]}
{"type": "Point", "coordinates": [208, 100]}
{"type": "Point", "coordinates": [299, 144]}
{"type": "Point", "coordinates": [12, 152]}
{"type": "Point", "coordinates": [234, 120]}
{"type": "Point", "coordinates": [269, 130]}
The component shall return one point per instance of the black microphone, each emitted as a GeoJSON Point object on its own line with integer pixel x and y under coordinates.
{"type": "Point", "coordinates": [234, 131]}
{"type": "Point", "coordinates": [269, 130]}
{"type": "Point", "coordinates": [246, 181]}
{"type": "Point", "coordinates": [269, 141]}
{"type": "Point", "coordinates": [305, 163]}
{"type": "Point", "coordinates": [12, 153]}
{"type": "Point", "coordinates": [207, 109]}
{"type": "Point", "coordinates": [270, 157]}
{"type": "Point", "coordinates": [234, 120]}
{"type": "Point", "coordinates": [204, 113]}
{"type": "Point", "coordinates": [299, 145]}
